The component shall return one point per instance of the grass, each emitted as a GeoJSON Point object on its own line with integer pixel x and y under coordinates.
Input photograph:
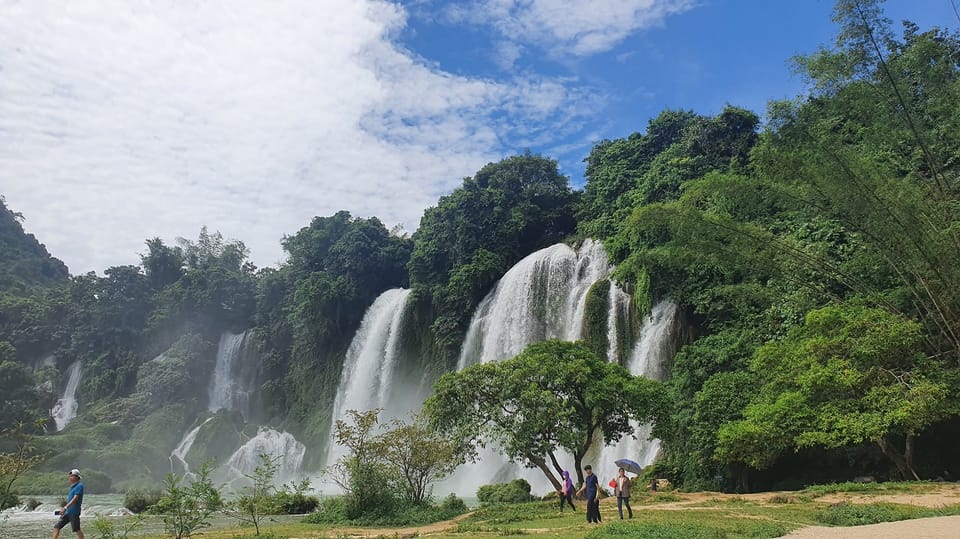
{"type": "Point", "coordinates": [847, 514]}
{"type": "Point", "coordinates": [655, 517]}
{"type": "Point", "coordinates": [889, 487]}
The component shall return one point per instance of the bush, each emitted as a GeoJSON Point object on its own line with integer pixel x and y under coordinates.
{"type": "Point", "coordinates": [453, 504]}
{"type": "Point", "coordinates": [516, 491]}
{"type": "Point", "coordinates": [108, 529]}
{"type": "Point", "coordinates": [8, 499]}
{"type": "Point", "coordinates": [139, 501]}
{"type": "Point", "coordinates": [331, 510]}
{"type": "Point", "coordinates": [295, 503]}
{"type": "Point", "coordinates": [847, 514]}
{"type": "Point", "coordinates": [335, 510]}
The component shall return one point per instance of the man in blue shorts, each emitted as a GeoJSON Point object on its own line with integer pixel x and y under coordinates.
{"type": "Point", "coordinates": [70, 513]}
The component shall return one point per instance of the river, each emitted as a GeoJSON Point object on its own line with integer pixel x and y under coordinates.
{"type": "Point", "coordinates": [18, 523]}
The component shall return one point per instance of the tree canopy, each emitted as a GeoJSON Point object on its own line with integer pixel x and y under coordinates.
{"type": "Point", "coordinates": [554, 396]}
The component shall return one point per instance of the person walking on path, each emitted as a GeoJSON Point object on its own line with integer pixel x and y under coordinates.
{"type": "Point", "coordinates": [592, 488]}
{"type": "Point", "coordinates": [622, 491]}
{"type": "Point", "coordinates": [70, 512]}
{"type": "Point", "coordinates": [566, 491]}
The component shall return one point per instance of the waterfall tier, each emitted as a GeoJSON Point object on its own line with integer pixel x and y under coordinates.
{"type": "Point", "coordinates": [367, 380]}
{"type": "Point", "coordinates": [280, 445]}
{"type": "Point", "coordinates": [541, 297]}
{"type": "Point", "coordinates": [66, 407]}
{"type": "Point", "coordinates": [234, 376]}
{"type": "Point", "coordinates": [179, 453]}
{"type": "Point", "coordinates": [651, 359]}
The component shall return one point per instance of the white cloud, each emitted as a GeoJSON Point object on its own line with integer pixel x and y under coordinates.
{"type": "Point", "coordinates": [122, 120]}
{"type": "Point", "coordinates": [565, 27]}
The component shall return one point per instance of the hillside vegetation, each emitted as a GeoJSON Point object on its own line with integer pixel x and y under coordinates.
{"type": "Point", "coordinates": [815, 258]}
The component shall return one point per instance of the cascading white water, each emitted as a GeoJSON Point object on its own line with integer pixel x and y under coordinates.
{"type": "Point", "coordinates": [651, 359]}
{"type": "Point", "coordinates": [367, 378]}
{"type": "Point", "coordinates": [179, 453]}
{"type": "Point", "coordinates": [541, 297]}
{"type": "Point", "coordinates": [280, 445]}
{"type": "Point", "coordinates": [66, 407]}
{"type": "Point", "coordinates": [233, 375]}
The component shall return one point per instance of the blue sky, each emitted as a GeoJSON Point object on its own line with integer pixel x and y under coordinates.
{"type": "Point", "coordinates": [708, 54]}
{"type": "Point", "coordinates": [122, 120]}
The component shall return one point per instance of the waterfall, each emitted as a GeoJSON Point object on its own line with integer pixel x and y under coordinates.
{"type": "Point", "coordinates": [280, 445]}
{"type": "Point", "coordinates": [367, 379]}
{"type": "Point", "coordinates": [651, 358]}
{"type": "Point", "coordinates": [179, 453]}
{"type": "Point", "coordinates": [541, 297]}
{"type": "Point", "coordinates": [234, 374]}
{"type": "Point", "coordinates": [66, 408]}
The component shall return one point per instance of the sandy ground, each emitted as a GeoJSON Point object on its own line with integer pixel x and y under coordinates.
{"type": "Point", "coordinates": [920, 528]}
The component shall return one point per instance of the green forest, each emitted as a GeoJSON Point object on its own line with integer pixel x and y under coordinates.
{"type": "Point", "coordinates": [814, 255]}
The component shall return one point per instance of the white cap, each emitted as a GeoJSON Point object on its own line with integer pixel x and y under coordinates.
{"type": "Point", "coordinates": [75, 472]}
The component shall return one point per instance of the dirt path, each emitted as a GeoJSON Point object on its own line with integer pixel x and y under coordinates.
{"type": "Point", "coordinates": [920, 528]}
{"type": "Point", "coordinates": [413, 531]}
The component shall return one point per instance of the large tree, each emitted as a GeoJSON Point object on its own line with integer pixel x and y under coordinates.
{"type": "Point", "coordinates": [554, 396]}
{"type": "Point", "coordinates": [850, 375]}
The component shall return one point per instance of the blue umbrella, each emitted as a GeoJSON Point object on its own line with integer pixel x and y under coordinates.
{"type": "Point", "coordinates": [628, 465]}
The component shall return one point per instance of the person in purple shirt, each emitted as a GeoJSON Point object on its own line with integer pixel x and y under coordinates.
{"type": "Point", "coordinates": [566, 491]}
{"type": "Point", "coordinates": [70, 513]}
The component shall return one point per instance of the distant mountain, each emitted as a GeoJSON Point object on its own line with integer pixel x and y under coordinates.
{"type": "Point", "coordinates": [24, 261]}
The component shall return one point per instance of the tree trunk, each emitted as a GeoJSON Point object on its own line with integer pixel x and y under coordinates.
{"type": "Point", "coordinates": [556, 464]}
{"type": "Point", "coordinates": [542, 464]}
{"type": "Point", "coordinates": [904, 466]}
{"type": "Point", "coordinates": [745, 479]}
{"type": "Point", "coordinates": [578, 464]}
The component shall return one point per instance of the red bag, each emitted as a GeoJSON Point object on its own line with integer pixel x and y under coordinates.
{"type": "Point", "coordinates": [613, 483]}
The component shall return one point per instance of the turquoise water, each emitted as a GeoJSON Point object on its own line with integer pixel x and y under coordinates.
{"type": "Point", "coordinates": [38, 523]}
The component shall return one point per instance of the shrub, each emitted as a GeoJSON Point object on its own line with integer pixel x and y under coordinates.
{"type": "Point", "coordinates": [335, 510]}
{"type": "Point", "coordinates": [187, 509]}
{"type": "Point", "coordinates": [331, 510]}
{"type": "Point", "coordinates": [8, 499]}
{"type": "Point", "coordinates": [291, 499]}
{"type": "Point", "coordinates": [516, 491]}
{"type": "Point", "coordinates": [139, 501]}
{"type": "Point", "coordinates": [295, 503]}
{"type": "Point", "coordinates": [453, 504]}
{"type": "Point", "coordinates": [847, 514]}
{"type": "Point", "coordinates": [107, 529]}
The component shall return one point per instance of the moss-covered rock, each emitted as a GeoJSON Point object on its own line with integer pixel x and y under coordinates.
{"type": "Point", "coordinates": [596, 312]}
{"type": "Point", "coordinates": [53, 483]}
{"type": "Point", "coordinates": [163, 428]}
{"type": "Point", "coordinates": [217, 439]}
